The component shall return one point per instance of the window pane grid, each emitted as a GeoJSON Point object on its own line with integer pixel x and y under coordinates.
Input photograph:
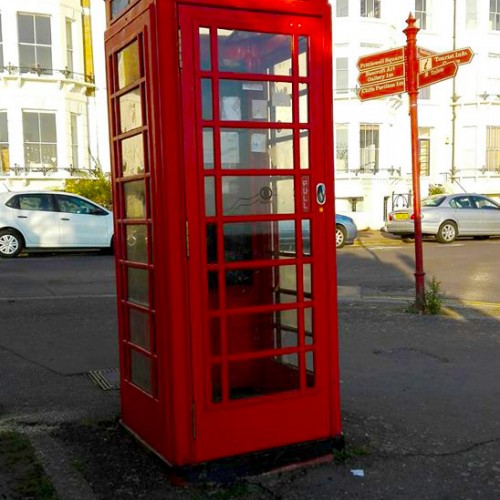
{"type": "Point", "coordinates": [369, 148]}
{"type": "Point", "coordinates": [130, 141]}
{"type": "Point", "coordinates": [341, 148]}
{"type": "Point", "coordinates": [421, 13]}
{"type": "Point", "coordinates": [370, 8]}
{"type": "Point", "coordinates": [424, 156]}
{"type": "Point", "coordinates": [493, 149]}
{"type": "Point", "coordinates": [4, 143]}
{"type": "Point", "coordinates": [69, 47]}
{"type": "Point", "coordinates": [35, 44]}
{"type": "Point", "coordinates": [495, 15]}
{"type": "Point", "coordinates": [342, 74]}
{"type": "Point", "coordinates": [342, 8]}
{"type": "Point", "coordinates": [40, 139]}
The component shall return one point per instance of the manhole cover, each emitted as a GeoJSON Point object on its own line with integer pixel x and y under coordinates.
{"type": "Point", "coordinates": [107, 379]}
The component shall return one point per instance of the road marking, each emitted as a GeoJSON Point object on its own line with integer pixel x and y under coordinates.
{"type": "Point", "coordinates": [57, 297]}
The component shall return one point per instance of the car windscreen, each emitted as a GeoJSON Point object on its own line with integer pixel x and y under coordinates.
{"type": "Point", "coordinates": [433, 201]}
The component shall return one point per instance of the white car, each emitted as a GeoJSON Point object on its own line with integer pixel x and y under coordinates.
{"type": "Point", "coordinates": [50, 219]}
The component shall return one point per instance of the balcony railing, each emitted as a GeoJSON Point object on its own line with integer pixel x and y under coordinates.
{"type": "Point", "coordinates": [46, 170]}
{"type": "Point", "coordinates": [40, 71]}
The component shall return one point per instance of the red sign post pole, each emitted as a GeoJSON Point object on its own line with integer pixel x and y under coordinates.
{"type": "Point", "coordinates": [412, 89]}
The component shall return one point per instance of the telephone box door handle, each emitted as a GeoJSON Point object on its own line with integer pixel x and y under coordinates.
{"type": "Point", "coordinates": [320, 193]}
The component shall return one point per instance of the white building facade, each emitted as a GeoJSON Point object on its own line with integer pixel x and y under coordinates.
{"type": "Point", "coordinates": [53, 114]}
{"type": "Point", "coordinates": [53, 111]}
{"type": "Point", "coordinates": [458, 119]}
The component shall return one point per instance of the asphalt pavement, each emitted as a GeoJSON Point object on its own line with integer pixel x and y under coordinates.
{"type": "Point", "coordinates": [420, 405]}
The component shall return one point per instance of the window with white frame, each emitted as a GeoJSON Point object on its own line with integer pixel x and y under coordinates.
{"type": "Point", "coordinates": [424, 150]}
{"type": "Point", "coordinates": [370, 8]}
{"type": "Point", "coordinates": [467, 145]}
{"type": "Point", "coordinates": [492, 149]}
{"type": "Point", "coordinates": [342, 8]}
{"type": "Point", "coordinates": [421, 13]}
{"type": "Point", "coordinates": [341, 75]}
{"type": "Point", "coordinates": [341, 148]}
{"type": "Point", "coordinates": [369, 148]}
{"type": "Point", "coordinates": [471, 14]}
{"type": "Point", "coordinates": [69, 48]}
{"type": "Point", "coordinates": [424, 92]}
{"type": "Point", "coordinates": [74, 140]}
{"type": "Point", "coordinates": [35, 43]}
{"type": "Point", "coordinates": [495, 15]}
{"type": "Point", "coordinates": [493, 72]}
{"type": "Point", "coordinates": [40, 139]}
{"type": "Point", "coordinates": [4, 143]}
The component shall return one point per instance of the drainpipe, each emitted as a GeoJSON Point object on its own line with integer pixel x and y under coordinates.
{"type": "Point", "coordinates": [454, 99]}
{"type": "Point", "coordinates": [88, 57]}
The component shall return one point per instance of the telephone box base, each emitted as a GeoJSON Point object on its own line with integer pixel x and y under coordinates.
{"type": "Point", "coordinates": [235, 468]}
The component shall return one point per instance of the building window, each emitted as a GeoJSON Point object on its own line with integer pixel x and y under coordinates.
{"type": "Point", "coordinates": [74, 140]}
{"type": "Point", "coordinates": [471, 14]}
{"type": "Point", "coordinates": [1, 45]}
{"type": "Point", "coordinates": [4, 143]}
{"type": "Point", "coordinates": [467, 147]}
{"type": "Point", "coordinates": [493, 80]}
{"type": "Point", "coordinates": [35, 43]}
{"type": "Point", "coordinates": [40, 139]}
{"type": "Point", "coordinates": [421, 13]}
{"type": "Point", "coordinates": [369, 148]}
{"type": "Point", "coordinates": [424, 154]}
{"type": "Point", "coordinates": [69, 48]}
{"type": "Point", "coordinates": [493, 149]}
{"type": "Point", "coordinates": [341, 75]}
{"type": "Point", "coordinates": [424, 92]}
{"type": "Point", "coordinates": [495, 15]}
{"type": "Point", "coordinates": [341, 148]}
{"type": "Point", "coordinates": [342, 8]}
{"type": "Point", "coordinates": [371, 8]}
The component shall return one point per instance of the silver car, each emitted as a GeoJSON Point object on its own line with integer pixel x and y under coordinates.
{"type": "Point", "coordinates": [449, 216]}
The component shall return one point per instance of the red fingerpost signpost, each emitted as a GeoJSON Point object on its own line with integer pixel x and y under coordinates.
{"type": "Point", "coordinates": [382, 74]}
{"type": "Point", "coordinates": [407, 69]}
{"type": "Point", "coordinates": [434, 75]}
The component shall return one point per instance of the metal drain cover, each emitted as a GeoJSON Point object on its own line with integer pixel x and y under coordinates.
{"type": "Point", "coordinates": [107, 379]}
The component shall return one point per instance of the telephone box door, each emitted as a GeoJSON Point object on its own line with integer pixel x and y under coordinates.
{"type": "Point", "coordinates": [261, 262]}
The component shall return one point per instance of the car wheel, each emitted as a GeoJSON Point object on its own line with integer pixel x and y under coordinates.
{"type": "Point", "coordinates": [11, 243]}
{"type": "Point", "coordinates": [447, 232]}
{"type": "Point", "coordinates": [340, 236]}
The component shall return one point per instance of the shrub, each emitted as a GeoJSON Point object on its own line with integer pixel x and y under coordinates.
{"type": "Point", "coordinates": [97, 188]}
{"type": "Point", "coordinates": [436, 189]}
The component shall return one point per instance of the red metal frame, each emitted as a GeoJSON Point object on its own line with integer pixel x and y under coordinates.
{"type": "Point", "coordinates": [176, 415]}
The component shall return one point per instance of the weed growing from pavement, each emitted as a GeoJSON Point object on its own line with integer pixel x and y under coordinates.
{"type": "Point", "coordinates": [342, 456]}
{"type": "Point", "coordinates": [20, 471]}
{"type": "Point", "coordinates": [433, 299]}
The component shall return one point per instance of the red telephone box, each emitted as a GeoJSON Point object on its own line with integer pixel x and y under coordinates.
{"type": "Point", "coordinates": [221, 134]}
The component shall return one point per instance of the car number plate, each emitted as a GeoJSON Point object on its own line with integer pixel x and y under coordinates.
{"type": "Point", "coordinates": [401, 216]}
